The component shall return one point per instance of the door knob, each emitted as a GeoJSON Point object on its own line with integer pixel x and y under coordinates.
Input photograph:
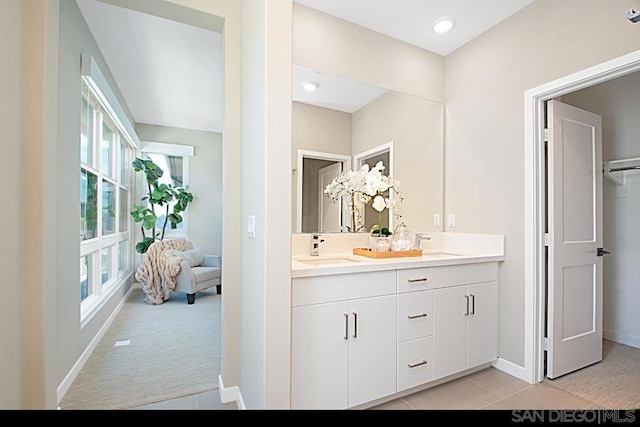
{"type": "Point", "coordinates": [602, 252]}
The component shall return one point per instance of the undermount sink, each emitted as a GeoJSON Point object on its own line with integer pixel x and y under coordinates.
{"type": "Point", "coordinates": [328, 261]}
{"type": "Point", "coordinates": [440, 254]}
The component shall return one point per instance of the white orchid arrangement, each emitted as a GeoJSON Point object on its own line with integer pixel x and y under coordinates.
{"type": "Point", "coordinates": [366, 186]}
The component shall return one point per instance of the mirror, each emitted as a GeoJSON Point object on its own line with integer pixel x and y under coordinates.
{"type": "Point", "coordinates": [341, 124]}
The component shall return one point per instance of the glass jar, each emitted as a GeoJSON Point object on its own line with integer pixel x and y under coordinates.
{"type": "Point", "coordinates": [383, 244]}
{"type": "Point", "coordinates": [403, 239]}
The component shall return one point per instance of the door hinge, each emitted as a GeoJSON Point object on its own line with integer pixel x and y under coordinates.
{"type": "Point", "coordinates": [546, 135]}
{"type": "Point", "coordinates": [547, 239]}
{"type": "Point", "coordinates": [546, 344]}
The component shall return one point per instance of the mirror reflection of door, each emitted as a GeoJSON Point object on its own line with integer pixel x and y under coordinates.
{"type": "Point", "coordinates": [330, 212]}
{"type": "Point", "coordinates": [319, 213]}
{"type": "Point", "coordinates": [372, 216]}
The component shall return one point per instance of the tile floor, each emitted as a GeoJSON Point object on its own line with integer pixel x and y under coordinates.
{"type": "Point", "coordinates": [487, 389]}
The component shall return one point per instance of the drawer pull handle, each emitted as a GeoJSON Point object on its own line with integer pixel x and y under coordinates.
{"type": "Point", "coordinates": [424, 362]}
{"type": "Point", "coordinates": [423, 279]}
{"type": "Point", "coordinates": [417, 316]}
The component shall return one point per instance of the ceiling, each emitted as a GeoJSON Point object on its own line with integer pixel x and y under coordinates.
{"type": "Point", "coordinates": [170, 73]}
{"type": "Point", "coordinates": [410, 20]}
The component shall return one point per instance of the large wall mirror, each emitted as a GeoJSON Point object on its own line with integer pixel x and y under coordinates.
{"type": "Point", "coordinates": [341, 124]}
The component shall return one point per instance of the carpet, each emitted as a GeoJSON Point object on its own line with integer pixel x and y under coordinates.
{"type": "Point", "coordinates": [174, 351]}
{"type": "Point", "coordinates": [613, 383]}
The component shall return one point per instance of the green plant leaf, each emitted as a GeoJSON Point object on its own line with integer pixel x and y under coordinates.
{"type": "Point", "coordinates": [149, 221]}
{"type": "Point", "coordinates": [143, 245]}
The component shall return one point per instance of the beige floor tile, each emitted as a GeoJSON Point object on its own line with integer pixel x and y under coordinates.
{"type": "Point", "coordinates": [186, 402]}
{"type": "Point", "coordinates": [538, 396]}
{"type": "Point", "coordinates": [397, 404]}
{"type": "Point", "coordinates": [498, 382]}
{"type": "Point", "coordinates": [210, 400]}
{"type": "Point", "coordinates": [458, 394]}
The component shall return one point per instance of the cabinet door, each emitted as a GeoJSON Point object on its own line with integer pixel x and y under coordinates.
{"type": "Point", "coordinates": [449, 331]}
{"type": "Point", "coordinates": [483, 323]}
{"type": "Point", "coordinates": [372, 349]}
{"type": "Point", "coordinates": [320, 356]}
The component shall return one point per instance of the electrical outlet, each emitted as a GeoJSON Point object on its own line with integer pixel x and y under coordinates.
{"type": "Point", "coordinates": [251, 226]}
{"type": "Point", "coordinates": [436, 220]}
{"type": "Point", "coordinates": [451, 220]}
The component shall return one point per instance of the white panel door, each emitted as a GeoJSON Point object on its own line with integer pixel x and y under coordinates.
{"type": "Point", "coordinates": [328, 212]}
{"type": "Point", "coordinates": [574, 300]}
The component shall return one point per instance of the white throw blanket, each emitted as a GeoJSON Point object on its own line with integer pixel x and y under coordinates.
{"type": "Point", "coordinates": [159, 268]}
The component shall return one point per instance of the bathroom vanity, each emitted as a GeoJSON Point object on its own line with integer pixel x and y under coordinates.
{"type": "Point", "coordinates": [367, 330]}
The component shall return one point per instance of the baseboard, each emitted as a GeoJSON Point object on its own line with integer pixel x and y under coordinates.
{"type": "Point", "coordinates": [75, 370]}
{"type": "Point", "coordinates": [621, 338]}
{"type": "Point", "coordinates": [230, 394]}
{"type": "Point", "coordinates": [511, 369]}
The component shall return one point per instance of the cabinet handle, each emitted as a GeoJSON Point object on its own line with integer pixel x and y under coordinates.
{"type": "Point", "coordinates": [466, 297]}
{"type": "Point", "coordinates": [423, 279]}
{"type": "Point", "coordinates": [473, 304]}
{"type": "Point", "coordinates": [424, 362]}
{"type": "Point", "coordinates": [417, 316]}
{"type": "Point", "coordinates": [355, 324]}
{"type": "Point", "coordinates": [346, 326]}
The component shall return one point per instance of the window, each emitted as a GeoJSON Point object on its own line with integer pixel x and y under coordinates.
{"type": "Point", "coordinates": [173, 159]}
{"type": "Point", "coordinates": [105, 201]}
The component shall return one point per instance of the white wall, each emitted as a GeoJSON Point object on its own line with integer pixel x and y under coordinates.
{"type": "Point", "coordinates": [485, 82]}
{"type": "Point", "coordinates": [266, 282]}
{"type": "Point", "coordinates": [205, 181]}
{"type": "Point", "coordinates": [10, 259]}
{"type": "Point", "coordinates": [415, 126]}
{"type": "Point", "coordinates": [618, 102]}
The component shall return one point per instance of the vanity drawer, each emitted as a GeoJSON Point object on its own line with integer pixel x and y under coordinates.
{"type": "Point", "coordinates": [415, 315]}
{"type": "Point", "coordinates": [415, 363]}
{"type": "Point", "coordinates": [464, 274]}
{"type": "Point", "coordinates": [341, 287]}
{"type": "Point", "coordinates": [414, 279]}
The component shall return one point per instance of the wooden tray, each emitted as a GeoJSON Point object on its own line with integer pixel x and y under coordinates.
{"type": "Point", "coordinates": [386, 254]}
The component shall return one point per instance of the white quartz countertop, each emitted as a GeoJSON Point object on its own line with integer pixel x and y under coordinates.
{"type": "Point", "coordinates": [347, 262]}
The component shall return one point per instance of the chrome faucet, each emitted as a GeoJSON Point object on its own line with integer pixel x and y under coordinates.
{"type": "Point", "coordinates": [419, 238]}
{"type": "Point", "coordinates": [315, 244]}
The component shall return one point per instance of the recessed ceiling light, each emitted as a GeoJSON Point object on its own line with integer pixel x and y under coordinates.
{"type": "Point", "coordinates": [310, 86]}
{"type": "Point", "coordinates": [443, 24]}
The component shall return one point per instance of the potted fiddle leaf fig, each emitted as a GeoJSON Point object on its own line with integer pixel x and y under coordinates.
{"type": "Point", "coordinates": [160, 199]}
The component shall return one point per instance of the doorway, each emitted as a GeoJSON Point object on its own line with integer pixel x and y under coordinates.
{"type": "Point", "coordinates": [536, 207]}
{"type": "Point", "coordinates": [315, 212]}
{"type": "Point", "coordinates": [382, 153]}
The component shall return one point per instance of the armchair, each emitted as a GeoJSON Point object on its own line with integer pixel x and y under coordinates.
{"type": "Point", "coordinates": [193, 279]}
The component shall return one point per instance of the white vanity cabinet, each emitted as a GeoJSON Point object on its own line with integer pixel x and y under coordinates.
{"type": "Point", "coordinates": [465, 325]}
{"type": "Point", "coordinates": [343, 340]}
{"type": "Point", "coordinates": [363, 336]}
